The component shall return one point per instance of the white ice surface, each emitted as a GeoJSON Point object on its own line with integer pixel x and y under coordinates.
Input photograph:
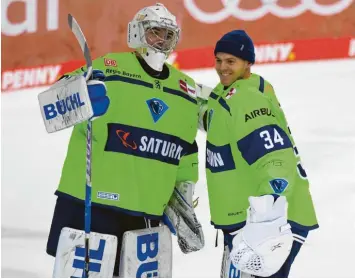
{"type": "Point", "coordinates": [318, 99]}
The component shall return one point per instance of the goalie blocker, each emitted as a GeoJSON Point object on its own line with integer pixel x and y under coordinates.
{"type": "Point", "coordinates": [69, 213]}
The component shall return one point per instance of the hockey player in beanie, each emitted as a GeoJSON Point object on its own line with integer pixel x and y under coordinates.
{"type": "Point", "coordinates": [248, 193]}
{"type": "Point", "coordinates": [237, 43]}
{"type": "Point", "coordinates": [234, 54]}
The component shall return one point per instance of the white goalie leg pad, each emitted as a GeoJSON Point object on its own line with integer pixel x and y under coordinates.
{"type": "Point", "coordinates": [65, 104]}
{"type": "Point", "coordinates": [69, 260]}
{"type": "Point", "coordinates": [228, 270]}
{"type": "Point", "coordinates": [146, 253]}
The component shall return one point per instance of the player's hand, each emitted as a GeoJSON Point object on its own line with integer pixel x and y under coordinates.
{"type": "Point", "coordinates": [98, 93]}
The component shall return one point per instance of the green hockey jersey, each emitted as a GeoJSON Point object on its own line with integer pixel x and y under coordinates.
{"type": "Point", "coordinates": [142, 146]}
{"type": "Point", "coordinates": [250, 152]}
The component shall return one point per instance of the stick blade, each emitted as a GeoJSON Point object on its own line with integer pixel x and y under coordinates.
{"type": "Point", "coordinates": [79, 35]}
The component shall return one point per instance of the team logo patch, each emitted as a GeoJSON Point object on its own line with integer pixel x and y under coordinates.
{"type": "Point", "coordinates": [157, 108]}
{"type": "Point", "coordinates": [110, 62]}
{"type": "Point", "coordinates": [279, 185]}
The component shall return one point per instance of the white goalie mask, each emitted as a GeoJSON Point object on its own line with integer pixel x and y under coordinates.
{"type": "Point", "coordinates": [154, 33]}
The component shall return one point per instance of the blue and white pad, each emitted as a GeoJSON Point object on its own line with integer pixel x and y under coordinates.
{"type": "Point", "coordinates": [65, 104]}
{"type": "Point", "coordinates": [228, 270]}
{"type": "Point", "coordinates": [69, 260]}
{"type": "Point", "coordinates": [146, 253]}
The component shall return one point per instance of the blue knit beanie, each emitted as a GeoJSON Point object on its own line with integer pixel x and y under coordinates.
{"type": "Point", "coordinates": [237, 43]}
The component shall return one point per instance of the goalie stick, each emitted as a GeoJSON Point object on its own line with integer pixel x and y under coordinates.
{"type": "Point", "coordinates": [79, 35]}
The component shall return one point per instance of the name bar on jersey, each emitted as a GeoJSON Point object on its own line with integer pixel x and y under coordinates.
{"type": "Point", "coordinates": [263, 141]}
{"type": "Point", "coordinates": [145, 143]}
{"type": "Point", "coordinates": [219, 158]}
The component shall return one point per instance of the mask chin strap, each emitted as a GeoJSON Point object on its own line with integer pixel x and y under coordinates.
{"type": "Point", "coordinates": [154, 59]}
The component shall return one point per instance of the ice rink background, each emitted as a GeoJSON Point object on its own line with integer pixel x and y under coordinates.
{"type": "Point", "coordinates": [318, 99]}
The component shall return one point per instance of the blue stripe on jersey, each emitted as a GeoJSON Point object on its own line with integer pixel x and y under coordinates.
{"type": "Point", "coordinates": [129, 80]}
{"type": "Point", "coordinates": [296, 227]}
{"type": "Point", "coordinates": [224, 104]}
{"type": "Point", "coordinates": [192, 149]}
{"type": "Point", "coordinates": [179, 93]}
{"type": "Point", "coordinates": [262, 84]}
{"type": "Point", "coordinates": [110, 207]}
{"type": "Point", "coordinates": [263, 141]}
{"type": "Point", "coordinates": [219, 158]}
{"type": "Point", "coordinates": [145, 143]}
{"type": "Point", "coordinates": [234, 227]}
{"type": "Point", "coordinates": [221, 101]}
{"type": "Point", "coordinates": [214, 96]}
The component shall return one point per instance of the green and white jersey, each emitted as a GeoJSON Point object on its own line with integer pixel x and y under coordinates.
{"type": "Point", "coordinates": [250, 152]}
{"type": "Point", "coordinates": [142, 146]}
